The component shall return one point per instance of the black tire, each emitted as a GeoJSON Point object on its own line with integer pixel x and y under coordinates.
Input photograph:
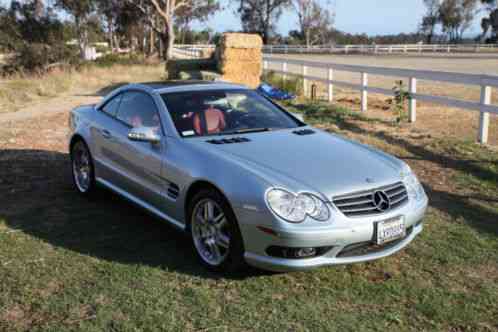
{"type": "Point", "coordinates": [88, 191]}
{"type": "Point", "coordinates": [234, 260]}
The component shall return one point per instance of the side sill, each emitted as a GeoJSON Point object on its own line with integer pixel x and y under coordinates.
{"type": "Point", "coordinates": [141, 203]}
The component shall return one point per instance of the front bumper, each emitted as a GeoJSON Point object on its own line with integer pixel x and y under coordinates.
{"type": "Point", "coordinates": [338, 239]}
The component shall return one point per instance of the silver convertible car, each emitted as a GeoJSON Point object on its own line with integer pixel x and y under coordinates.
{"type": "Point", "coordinates": [249, 181]}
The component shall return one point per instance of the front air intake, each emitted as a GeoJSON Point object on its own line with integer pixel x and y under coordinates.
{"type": "Point", "coordinates": [173, 191]}
{"type": "Point", "coordinates": [303, 132]}
{"type": "Point", "coordinates": [229, 140]}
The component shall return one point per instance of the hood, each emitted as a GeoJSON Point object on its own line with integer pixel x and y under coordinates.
{"type": "Point", "coordinates": [319, 162]}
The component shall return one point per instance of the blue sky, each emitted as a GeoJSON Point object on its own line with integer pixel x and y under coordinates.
{"type": "Point", "coordinates": [354, 16]}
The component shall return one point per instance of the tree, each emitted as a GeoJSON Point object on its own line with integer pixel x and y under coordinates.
{"type": "Point", "coordinates": [314, 21]}
{"type": "Point", "coordinates": [110, 11]}
{"type": "Point", "coordinates": [34, 35]}
{"type": "Point", "coordinates": [491, 22]}
{"type": "Point", "coordinates": [431, 19]}
{"type": "Point", "coordinates": [260, 16]}
{"type": "Point", "coordinates": [186, 15]}
{"type": "Point", "coordinates": [167, 11]}
{"type": "Point", "coordinates": [81, 11]}
{"type": "Point", "coordinates": [456, 17]}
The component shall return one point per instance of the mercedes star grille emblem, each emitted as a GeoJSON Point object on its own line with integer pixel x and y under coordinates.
{"type": "Point", "coordinates": [381, 201]}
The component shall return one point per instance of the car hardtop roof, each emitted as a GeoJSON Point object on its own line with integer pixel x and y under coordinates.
{"type": "Point", "coordinates": [187, 85]}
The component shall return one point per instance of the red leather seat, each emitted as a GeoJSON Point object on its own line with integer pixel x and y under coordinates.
{"type": "Point", "coordinates": [210, 121]}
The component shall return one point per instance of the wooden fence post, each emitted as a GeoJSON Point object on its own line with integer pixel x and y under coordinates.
{"type": "Point", "coordinates": [331, 85]}
{"type": "Point", "coordinates": [484, 116]}
{"type": "Point", "coordinates": [412, 109]}
{"type": "Point", "coordinates": [305, 81]}
{"type": "Point", "coordinates": [364, 92]}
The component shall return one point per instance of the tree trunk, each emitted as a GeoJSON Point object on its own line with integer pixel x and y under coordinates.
{"type": "Point", "coordinates": [111, 34]}
{"type": "Point", "coordinates": [266, 34]}
{"type": "Point", "coordinates": [82, 36]}
{"type": "Point", "coordinates": [307, 38]}
{"type": "Point", "coordinates": [151, 42]}
{"type": "Point", "coordinates": [169, 42]}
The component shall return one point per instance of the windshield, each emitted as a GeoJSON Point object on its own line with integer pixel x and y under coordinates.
{"type": "Point", "coordinates": [203, 113]}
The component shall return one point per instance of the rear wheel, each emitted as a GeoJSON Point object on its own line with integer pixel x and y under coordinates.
{"type": "Point", "coordinates": [82, 168]}
{"type": "Point", "coordinates": [215, 233]}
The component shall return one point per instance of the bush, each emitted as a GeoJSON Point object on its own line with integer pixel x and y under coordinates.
{"type": "Point", "coordinates": [109, 60]}
{"type": "Point", "coordinates": [291, 84]}
{"type": "Point", "coordinates": [37, 58]}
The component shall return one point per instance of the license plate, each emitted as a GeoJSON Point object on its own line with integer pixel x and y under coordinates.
{"type": "Point", "coordinates": [390, 230]}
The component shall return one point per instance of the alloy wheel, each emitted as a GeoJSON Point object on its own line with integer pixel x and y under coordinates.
{"type": "Point", "coordinates": [210, 232]}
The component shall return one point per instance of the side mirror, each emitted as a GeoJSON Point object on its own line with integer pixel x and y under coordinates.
{"type": "Point", "coordinates": [144, 134]}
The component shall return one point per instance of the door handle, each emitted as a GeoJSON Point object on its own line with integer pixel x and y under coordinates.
{"type": "Point", "coordinates": [106, 133]}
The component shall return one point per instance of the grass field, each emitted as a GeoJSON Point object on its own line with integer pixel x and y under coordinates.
{"type": "Point", "coordinates": [68, 264]}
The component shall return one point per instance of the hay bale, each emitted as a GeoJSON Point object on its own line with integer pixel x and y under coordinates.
{"type": "Point", "coordinates": [240, 40]}
{"type": "Point", "coordinates": [250, 81]}
{"type": "Point", "coordinates": [174, 67]}
{"type": "Point", "coordinates": [237, 54]}
{"type": "Point", "coordinates": [239, 58]}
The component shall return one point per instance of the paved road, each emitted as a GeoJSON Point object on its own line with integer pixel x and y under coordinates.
{"type": "Point", "coordinates": [461, 64]}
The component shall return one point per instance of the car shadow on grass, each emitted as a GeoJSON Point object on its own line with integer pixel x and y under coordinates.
{"type": "Point", "coordinates": [38, 199]}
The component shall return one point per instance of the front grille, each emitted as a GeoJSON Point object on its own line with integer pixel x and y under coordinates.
{"type": "Point", "coordinates": [363, 203]}
{"type": "Point", "coordinates": [365, 248]}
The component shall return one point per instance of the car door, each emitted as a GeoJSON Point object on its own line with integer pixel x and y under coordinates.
{"type": "Point", "coordinates": [104, 142]}
{"type": "Point", "coordinates": [138, 164]}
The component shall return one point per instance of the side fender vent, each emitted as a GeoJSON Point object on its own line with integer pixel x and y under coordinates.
{"type": "Point", "coordinates": [229, 140]}
{"type": "Point", "coordinates": [173, 191]}
{"type": "Point", "coordinates": [303, 132]}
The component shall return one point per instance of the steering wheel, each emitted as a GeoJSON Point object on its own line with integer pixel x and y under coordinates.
{"type": "Point", "coordinates": [243, 120]}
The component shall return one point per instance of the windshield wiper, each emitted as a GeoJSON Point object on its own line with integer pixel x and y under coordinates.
{"type": "Point", "coordinates": [245, 131]}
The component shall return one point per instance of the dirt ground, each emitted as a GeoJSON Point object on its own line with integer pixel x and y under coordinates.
{"type": "Point", "coordinates": [433, 119]}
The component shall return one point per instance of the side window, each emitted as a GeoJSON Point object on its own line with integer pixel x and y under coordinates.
{"type": "Point", "coordinates": [111, 107]}
{"type": "Point", "coordinates": [138, 109]}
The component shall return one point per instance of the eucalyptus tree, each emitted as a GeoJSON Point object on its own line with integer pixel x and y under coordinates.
{"type": "Point", "coordinates": [81, 11]}
{"type": "Point", "coordinates": [490, 23]}
{"type": "Point", "coordinates": [315, 21]}
{"type": "Point", "coordinates": [431, 19]}
{"type": "Point", "coordinates": [261, 16]}
{"type": "Point", "coordinates": [456, 17]}
{"type": "Point", "coordinates": [162, 15]}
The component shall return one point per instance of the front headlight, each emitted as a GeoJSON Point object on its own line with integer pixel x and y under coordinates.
{"type": "Point", "coordinates": [413, 185]}
{"type": "Point", "coordinates": [294, 208]}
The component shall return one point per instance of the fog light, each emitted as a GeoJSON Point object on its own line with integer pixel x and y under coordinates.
{"type": "Point", "coordinates": [305, 252]}
{"type": "Point", "coordinates": [296, 253]}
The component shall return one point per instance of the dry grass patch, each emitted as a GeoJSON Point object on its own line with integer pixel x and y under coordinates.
{"type": "Point", "coordinates": [18, 91]}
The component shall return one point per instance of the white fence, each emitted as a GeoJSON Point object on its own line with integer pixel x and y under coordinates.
{"type": "Point", "coordinates": [187, 52]}
{"type": "Point", "coordinates": [367, 49]}
{"type": "Point", "coordinates": [485, 82]}
{"type": "Point", "coordinates": [381, 49]}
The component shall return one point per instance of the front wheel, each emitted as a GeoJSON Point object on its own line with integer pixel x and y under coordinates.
{"type": "Point", "coordinates": [215, 233]}
{"type": "Point", "coordinates": [82, 169]}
